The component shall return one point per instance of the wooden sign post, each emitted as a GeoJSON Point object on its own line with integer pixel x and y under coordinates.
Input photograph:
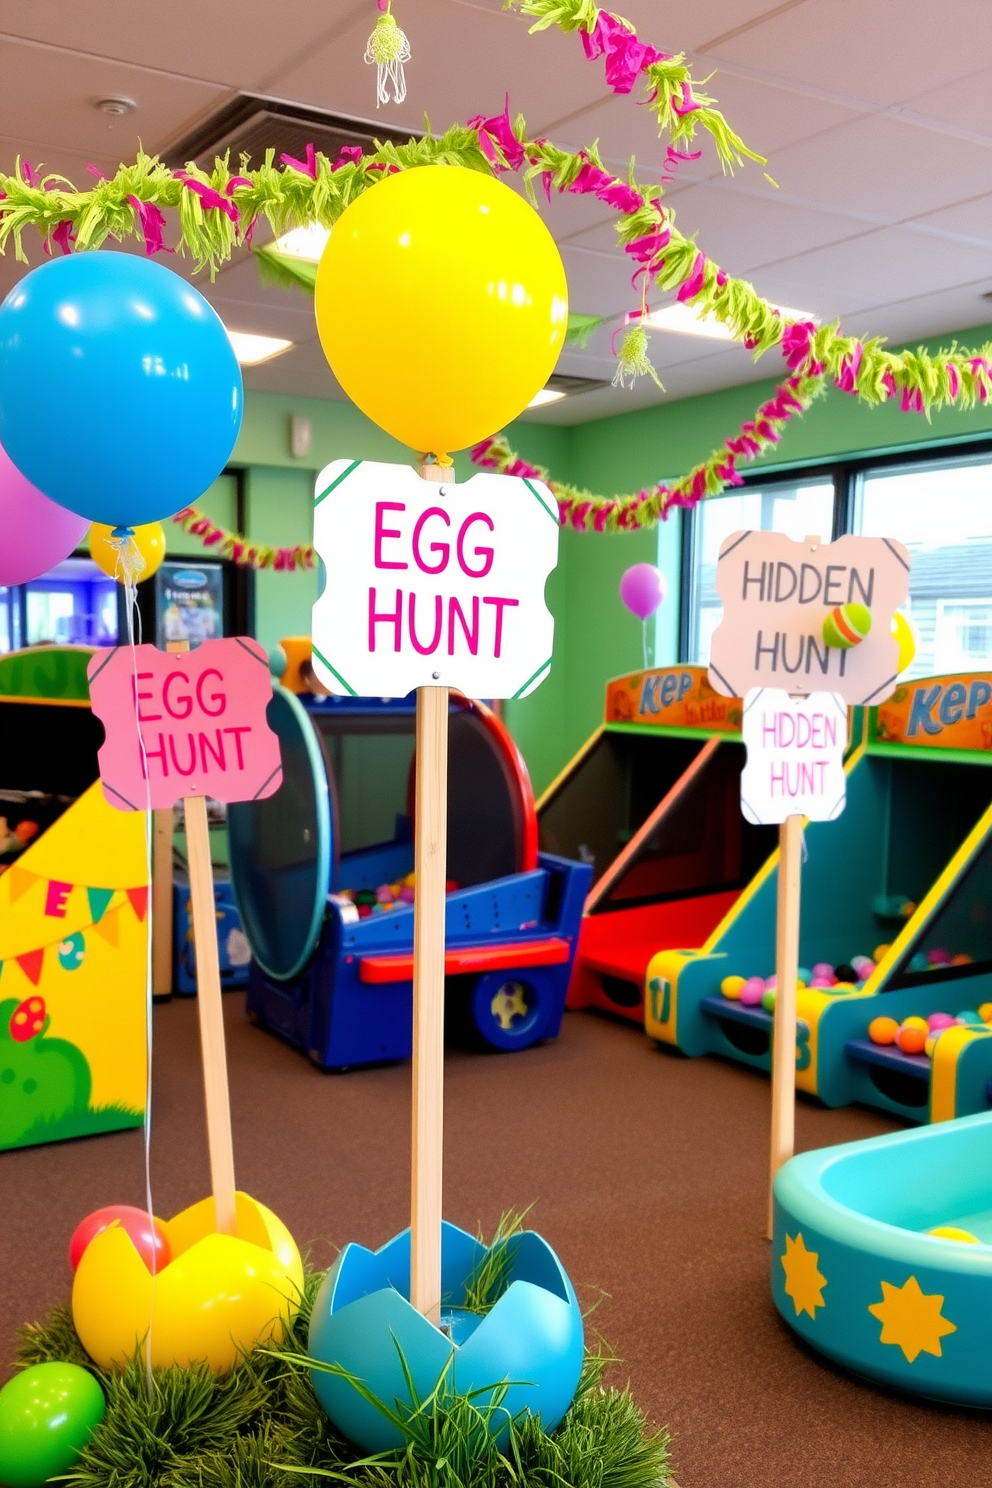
{"type": "Point", "coordinates": [430, 858]}
{"type": "Point", "coordinates": [771, 649]}
{"type": "Point", "coordinates": [181, 726]}
{"type": "Point", "coordinates": [431, 586]}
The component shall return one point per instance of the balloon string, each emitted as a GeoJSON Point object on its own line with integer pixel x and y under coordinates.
{"type": "Point", "coordinates": [126, 572]}
{"type": "Point", "coordinates": [644, 641]}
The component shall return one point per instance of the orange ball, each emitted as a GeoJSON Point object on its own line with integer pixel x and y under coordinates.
{"type": "Point", "coordinates": [912, 1040]}
{"type": "Point", "coordinates": [883, 1030]}
{"type": "Point", "coordinates": [985, 1012]}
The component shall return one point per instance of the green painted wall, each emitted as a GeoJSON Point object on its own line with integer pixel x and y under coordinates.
{"type": "Point", "coordinates": [595, 638]}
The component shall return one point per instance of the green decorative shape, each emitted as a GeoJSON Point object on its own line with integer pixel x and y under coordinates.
{"type": "Point", "coordinates": [99, 899]}
{"type": "Point", "coordinates": [285, 271]}
{"type": "Point", "coordinates": [581, 327]}
{"type": "Point", "coordinates": [46, 674]}
{"type": "Point", "coordinates": [47, 1415]}
{"type": "Point", "coordinates": [41, 1081]}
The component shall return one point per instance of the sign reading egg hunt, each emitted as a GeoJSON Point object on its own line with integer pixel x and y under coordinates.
{"type": "Point", "coordinates": [777, 594]}
{"type": "Point", "coordinates": [187, 724]}
{"type": "Point", "coordinates": [431, 584]}
{"type": "Point", "coordinates": [795, 756]}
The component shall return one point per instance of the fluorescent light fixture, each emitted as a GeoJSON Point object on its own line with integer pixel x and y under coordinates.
{"type": "Point", "coordinates": [251, 349]}
{"type": "Point", "coordinates": [686, 320]}
{"type": "Point", "coordinates": [304, 242]}
{"type": "Point", "coordinates": [546, 395]}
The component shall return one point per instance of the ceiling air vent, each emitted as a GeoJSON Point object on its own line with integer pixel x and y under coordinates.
{"type": "Point", "coordinates": [249, 126]}
{"type": "Point", "coordinates": [560, 382]}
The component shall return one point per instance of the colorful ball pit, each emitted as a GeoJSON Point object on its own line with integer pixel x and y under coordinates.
{"type": "Point", "coordinates": [218, 1295]}
{"type": "Point", "coordinates": [860, 1274]}
{"type": "Point", "coordinates": [363, 1323]}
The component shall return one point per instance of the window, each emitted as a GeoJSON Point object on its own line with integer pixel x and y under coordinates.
{"type": "Point", "coordinates": [75, 603]}
{"type": "Point", "coordinates": [943, 514]}
{"type": "Point", "coordinates": [798, 508]}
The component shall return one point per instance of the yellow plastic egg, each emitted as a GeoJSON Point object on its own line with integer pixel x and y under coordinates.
{"type": "Point", "coordinates": [219, 1294]}
{"type": "Point", "coordinates": [731, 987]}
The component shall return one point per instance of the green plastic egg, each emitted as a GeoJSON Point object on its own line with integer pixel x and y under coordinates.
{"type": "Point", "coordinates": [47, 1415]}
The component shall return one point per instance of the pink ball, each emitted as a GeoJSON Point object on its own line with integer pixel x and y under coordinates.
{"type": "Point", "coordinates": [147, 1235]}
{"type": "Point", "coordinates": [770, 984]}
{"type": "Point", "coordinates": [36, 534]}
{"type": "Point", "coordinates": [824, 969]}
{"type": "Point", "coordinates": [940, 1020]}
{"type": "Point", "coordinates": [822, 983]}
{"type": "Point", "coordinates": [938, 957]}
{"type": "Point", "coordinates": [752, 992]}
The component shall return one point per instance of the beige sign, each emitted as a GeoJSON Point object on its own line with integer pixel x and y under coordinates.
{"type": "Point", "coordinates": [776, 595]}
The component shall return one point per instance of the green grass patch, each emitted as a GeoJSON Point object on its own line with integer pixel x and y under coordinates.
{"type": "Point", "coordinates": [93, 1121]}
{"type": "Point", "coordinates": [260, 1426]}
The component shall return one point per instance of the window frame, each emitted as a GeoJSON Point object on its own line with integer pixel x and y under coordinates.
{"type": "Point", "coordinates": [847, 476]}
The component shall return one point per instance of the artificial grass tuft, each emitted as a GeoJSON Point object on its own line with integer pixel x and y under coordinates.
{"type": "Point", "coordinates": [261, 1426]}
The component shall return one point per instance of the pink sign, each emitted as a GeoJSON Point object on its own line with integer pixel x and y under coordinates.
{"type": "Point", "coordinates": [202, 724]}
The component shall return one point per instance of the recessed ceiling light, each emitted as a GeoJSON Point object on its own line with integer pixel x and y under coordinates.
{"type": "Point", "coordinates": [304, 242]}
{"type": "Point", "coordinates": [546, 395]}
{"type": "Point", "coordinates": [251, 349]}
{"type": "Point", "coordinates": [687, 320]}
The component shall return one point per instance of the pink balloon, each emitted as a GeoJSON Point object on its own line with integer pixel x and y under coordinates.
{"type": "Point", "coordinates": [35, 534]}
{"type": "Point", "coordinates": [643, 589]}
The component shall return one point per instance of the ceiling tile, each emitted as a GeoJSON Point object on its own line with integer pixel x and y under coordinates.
{"type": "Point", "coordinates": [971, 219]}
{"type": "Point", "coordinates": [882, 166]}
{"type": "Point", "coordinates": [963, 102]}
{"type": "Point", "coordinates": [885, 50]}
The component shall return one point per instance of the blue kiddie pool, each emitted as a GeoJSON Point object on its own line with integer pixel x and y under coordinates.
{"type": "Point", "coordinates": [525, 1354]}
{"type": "Point", "coordinates": [859, 1274]}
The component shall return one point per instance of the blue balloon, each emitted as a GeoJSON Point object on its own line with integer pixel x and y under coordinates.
{"type": "Point", "coordinates": [120, 394]}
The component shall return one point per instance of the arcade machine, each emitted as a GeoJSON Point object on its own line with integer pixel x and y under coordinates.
{"type": "Point", "coordinates": [323, 876]}
{"type": "Point", "coordinates": [896, 925]}
{"type": "Point", "coordinates": [73, 914]}
{"type": "Point", "coordinates": [651, 802]}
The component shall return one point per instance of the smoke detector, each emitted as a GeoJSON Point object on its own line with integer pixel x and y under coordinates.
{"type": "Point", "coordinates": [115, 106]}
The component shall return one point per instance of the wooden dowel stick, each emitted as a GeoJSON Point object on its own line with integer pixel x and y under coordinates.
{"type": "Point", "coordinates": [790, 837]}
{"type": "Point", "coordinates": [162, 903]}
{"type": "Point", "coordinates": [208, 998]}
{"type": "Point", "coordinates": [430, 865]}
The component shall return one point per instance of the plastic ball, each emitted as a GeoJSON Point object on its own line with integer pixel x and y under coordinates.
{"type": "Point", "coordinates": [940, 1020]}
{"type": "Point", "coordinates": [985, 1012]}
{"type": "Point", "coordinates": [951, 1232]}
{"type": "Point", "coordinates": [441, 305]}
{"type": "Point", "coordinates": [98, 352]}
{"type": "Point", "coordinates": [863, 965]}
{"type": "Point", "coordinates": [971, 1017]}
{"type": "Point", "coordinates": [912, 1036]}
{"type": "Point", "coordinates": [918, 962]}
{"type": "Point", "coordinates": [842, 988]}
{"type": "Point", "coordinates": [148, 1238]}
{"type": "Point", "coordinates": [752, 992]}
{"type": "Point", "coordinates": [883, 1030]}
{"type": "Point", "coordinates": [905, 639]}
{"type": "Point", "coordinates": [730, 986]}
{"type": "Point", "coordinates": [768, 1000]}
{"type": "Point", "coordinates": [845, 972]}
{"type": "Point", "coordinates": [822, 984]}
{"type": "Point", "coordinates": [961, 959]}
{"type": "Point", "coordinates": [931, 1043]}
{"type": "Point", "coordinates": [47, 1415]}
{"type": "Point", "coordinates": [847, 626]}
{"type": "Point", "coordinates": [880, 952]}
{"type": "Point", "coordinates": [771, 983]}
{"type": "Point", "coordinates": [939, 957]}
{"type": "Point", "coordinates": [805, 975]}
{"type": "Point", "coordinates": [823, 969]}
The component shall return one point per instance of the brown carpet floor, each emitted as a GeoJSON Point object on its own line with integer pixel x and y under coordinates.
{"type": "Point", "coordinates": [649, 1176]}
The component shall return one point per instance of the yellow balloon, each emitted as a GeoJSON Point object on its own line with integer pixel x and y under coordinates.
{"type": "Point", "coordinates": [150, 541]}
{"type": "Point", "coordinates": [906, 637]}
{"type": "Point", "coordinates": [441, 305]}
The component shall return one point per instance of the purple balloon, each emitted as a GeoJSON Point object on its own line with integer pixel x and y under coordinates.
{"type": "Point", "coordinates": [642, 589]}
{"type": "Point", "coordinates": [35, 534]}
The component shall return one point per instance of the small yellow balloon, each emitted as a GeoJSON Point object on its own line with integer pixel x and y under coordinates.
{"type": "Point", "coordinates": [150, 542]}
{"type": "Point", "coordinates": [906, 639]}
{"type": "Point", "coordinates": [441, 305]}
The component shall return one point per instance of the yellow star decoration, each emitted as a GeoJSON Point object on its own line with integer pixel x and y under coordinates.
{"type": "Point", "coordinates": [911, 1319]}
{"type": "Point", "coordinates": [803, 1282]}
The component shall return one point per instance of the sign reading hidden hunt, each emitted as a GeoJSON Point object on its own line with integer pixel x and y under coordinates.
{"type": "Point", "coordinates": [795, 754]}
{"type": "Point", "coordinates": [431, 584]}
{"type": "Point", "coordinates": [187, 724]}
{"type": "Point", "coordinates": [778, 593]}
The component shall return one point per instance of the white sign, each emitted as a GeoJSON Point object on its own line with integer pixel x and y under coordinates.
{"type": "Point", "coordinates": [795, 754]}
{"type": "Point", "coordinates": [776, 595]}
{"type": "Point", "coordinates": [432, 584]}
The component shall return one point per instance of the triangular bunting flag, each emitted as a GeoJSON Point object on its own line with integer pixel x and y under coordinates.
{"type": "Point", "coordinates": [31, 964]}
{"type": "Point", "coordinates": [109, 927]}
{"type": "Point", "coordinates": [139, 901]}
{"type": "Point", "coordinates": [99, 899]}
{"type": "Point", "coordinates": [20, 881]}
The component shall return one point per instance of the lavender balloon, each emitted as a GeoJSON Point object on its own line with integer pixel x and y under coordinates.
{"type": "Point", "coordinates": [35, 534]}
{"type": "Point", "coordinates": [643, 589]}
